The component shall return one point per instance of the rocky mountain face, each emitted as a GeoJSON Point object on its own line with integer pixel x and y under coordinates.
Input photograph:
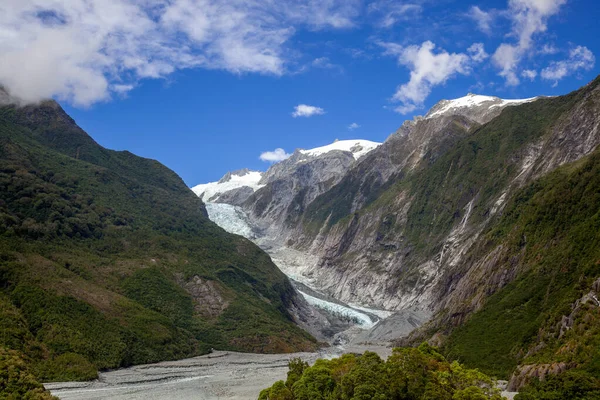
{"type": "Point", "coordinates": [293, 184]}
{"type": "Point", "coordinates": [430, 221]}
{"type": "Point", "coordinates": [276, 197]}
{"type": "Point", "coordinates": [411, 210]}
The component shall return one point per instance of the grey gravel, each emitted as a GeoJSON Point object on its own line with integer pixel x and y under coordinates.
{"type": "Point", "coordinates": [219, 375]}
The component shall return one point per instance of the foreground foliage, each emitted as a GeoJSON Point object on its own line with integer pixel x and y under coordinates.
{"type": "Point", "coordinates": [409, 373]}
{"type": "Point", "coordinates": [17, 381]}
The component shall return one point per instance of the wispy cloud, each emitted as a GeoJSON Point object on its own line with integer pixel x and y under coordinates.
{"type": "Point", "coordinates": [83, 51]}
{"type": "Point", "coordinates": [579, 58]}
{"type": "Point", "coordinates": [530, 74]}
{"type": "Point", "coordinates": [483, 19]}
{"type": "Point", "coordinates": [353, 126]}
{"type": "Point", "coordinates": [389, 12]}
{"type": "Point", "coordinates": [304, 110]}
{"type": "Point", "coordinates": [323, 62]}
{"type": "Point", "coordinates": [276, 155]}
{"type": "Point", "coordinates": [477, 52]}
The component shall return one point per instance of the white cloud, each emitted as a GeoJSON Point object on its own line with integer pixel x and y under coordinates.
{"type": "Point", "coordinates": [325, 63]}
{"type": "Point", "coordinates": [391, 12]}
{"type": "Point", "coordinates": [304, 110]}
{"type": "Point", "coordinates": [506, 58]}
{"type": "Point", "coordinates": [82, 51]}
{"type": "Point", "coordinates": [477, 52]}
{"type": "Point", "coordinates": [529, 17]}
{"type": "Point", "coordinates": [579, 58]}
{"type": "Point", "coordinates": [484, 19]}
{"type": "Point", "coordinates": [353, 126]}
{"type": "Point", "coordinates": [428, 69]}
{"type": "Point", "coordinates": [274, 156]}
{"type": "Point", "coordinates": [530, 74]}
{"type": "Point", "coordinates": [548, 49]}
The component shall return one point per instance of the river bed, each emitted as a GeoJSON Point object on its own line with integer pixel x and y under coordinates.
{"type": "Point", "coordinates": [219, 375]}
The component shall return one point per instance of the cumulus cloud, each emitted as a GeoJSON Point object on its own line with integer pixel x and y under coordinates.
{"type": "Point", "coordinates": [428, 68]}
{"type": "Point", "coordinates": [83, 51]}
{"type": "Point", "coordinates": [506, 58]}
{"type": "Point", "coordinates": [304, 110]}
{"type": "Point", "coordinates": [274, 156]}
{"type": "Point", "coordinates": [353, 126]}
{"type": "Point", "coordinates": [529, 17]}
{"type": "Point", "coordinates": [484, 19]}
{"type": "Point", "coordinates": [579, 58]}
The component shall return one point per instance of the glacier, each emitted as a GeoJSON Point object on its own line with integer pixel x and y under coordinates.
{"type": "Point", "coordinates": [231, 218]}
{"type": "Point", "coordinates": [363, 320]}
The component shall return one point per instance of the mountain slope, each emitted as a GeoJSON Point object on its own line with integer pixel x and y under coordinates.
{"type": "Point", "coordinates": [291, 185]}
{"type": "Point", "coordinates": [107, 259]}
{"type": "Point", "coordinates": [441, 236]}
{"type": "Point", "coordinates": [549, 239]}
{"type": "Point", "coordinates": [413, 207]}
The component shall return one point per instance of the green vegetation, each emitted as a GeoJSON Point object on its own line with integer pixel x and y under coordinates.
{"type": "Point", "coordinates": [16, 381]}
{"type": "Point", "coordinates": [108, 259]}
{"type": "Point", "coordinates": [554, 225]}
{"type": "Point", "coordinates": [409, 373]}
{"type": "Point", "coordinates": [572, 385]}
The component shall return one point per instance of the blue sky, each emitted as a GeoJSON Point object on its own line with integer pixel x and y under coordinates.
{"type": "Point", "coordinates": [206, 86]}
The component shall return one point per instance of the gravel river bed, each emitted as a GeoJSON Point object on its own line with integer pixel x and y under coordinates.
{"type": "Point", "coordinates": [219, 375]}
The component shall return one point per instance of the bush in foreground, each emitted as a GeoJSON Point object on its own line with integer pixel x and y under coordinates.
{"type": "Point", "coordinates": [409, 373]}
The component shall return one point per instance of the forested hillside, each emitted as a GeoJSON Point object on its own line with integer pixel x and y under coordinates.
{"type": "Point", "coordinates": [108, 259]}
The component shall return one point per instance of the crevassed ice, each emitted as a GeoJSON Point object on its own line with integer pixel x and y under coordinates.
{"type": "Point", "coordinates": [230, 218]}
{"type": "Point", "coordinates": [337, 309]}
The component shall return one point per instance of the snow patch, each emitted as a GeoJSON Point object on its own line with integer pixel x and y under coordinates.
{"type": "Point", "coordinates": [358, 148]}
{"type": "Point", "coordinates": [208, 191]}
{"type": "Point", "coordinates": [472, 100]}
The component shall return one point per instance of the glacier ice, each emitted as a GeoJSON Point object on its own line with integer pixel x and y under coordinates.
{"type": "Point", "coordinates": [231, 218]}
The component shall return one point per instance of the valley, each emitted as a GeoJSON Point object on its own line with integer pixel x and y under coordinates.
{"type": "Point", "coordinates": [470, 233]}
{"type": "Point", "coordinates": [344, 323]}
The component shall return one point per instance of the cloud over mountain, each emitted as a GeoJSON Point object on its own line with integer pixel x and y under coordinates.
{"type": "Point", "coordinates": [428, 68]}
{"type": "Point", "coordinates": [276, 155]}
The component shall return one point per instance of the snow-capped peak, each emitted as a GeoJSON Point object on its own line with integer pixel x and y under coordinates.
{"type": "Point", "coordinates": [472, 102]}
{"type": "Point", "coordinates": [358, 148]}
{"type": "Point", "coordinates": [231, 180]}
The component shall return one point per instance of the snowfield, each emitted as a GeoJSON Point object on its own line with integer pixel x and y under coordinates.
{"type": "Point", "coordinates": [207, 191]}
{"type": "Point", "coordinates": [358, 148]}
{"type": "Point", "coordinates": [474, 100]}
